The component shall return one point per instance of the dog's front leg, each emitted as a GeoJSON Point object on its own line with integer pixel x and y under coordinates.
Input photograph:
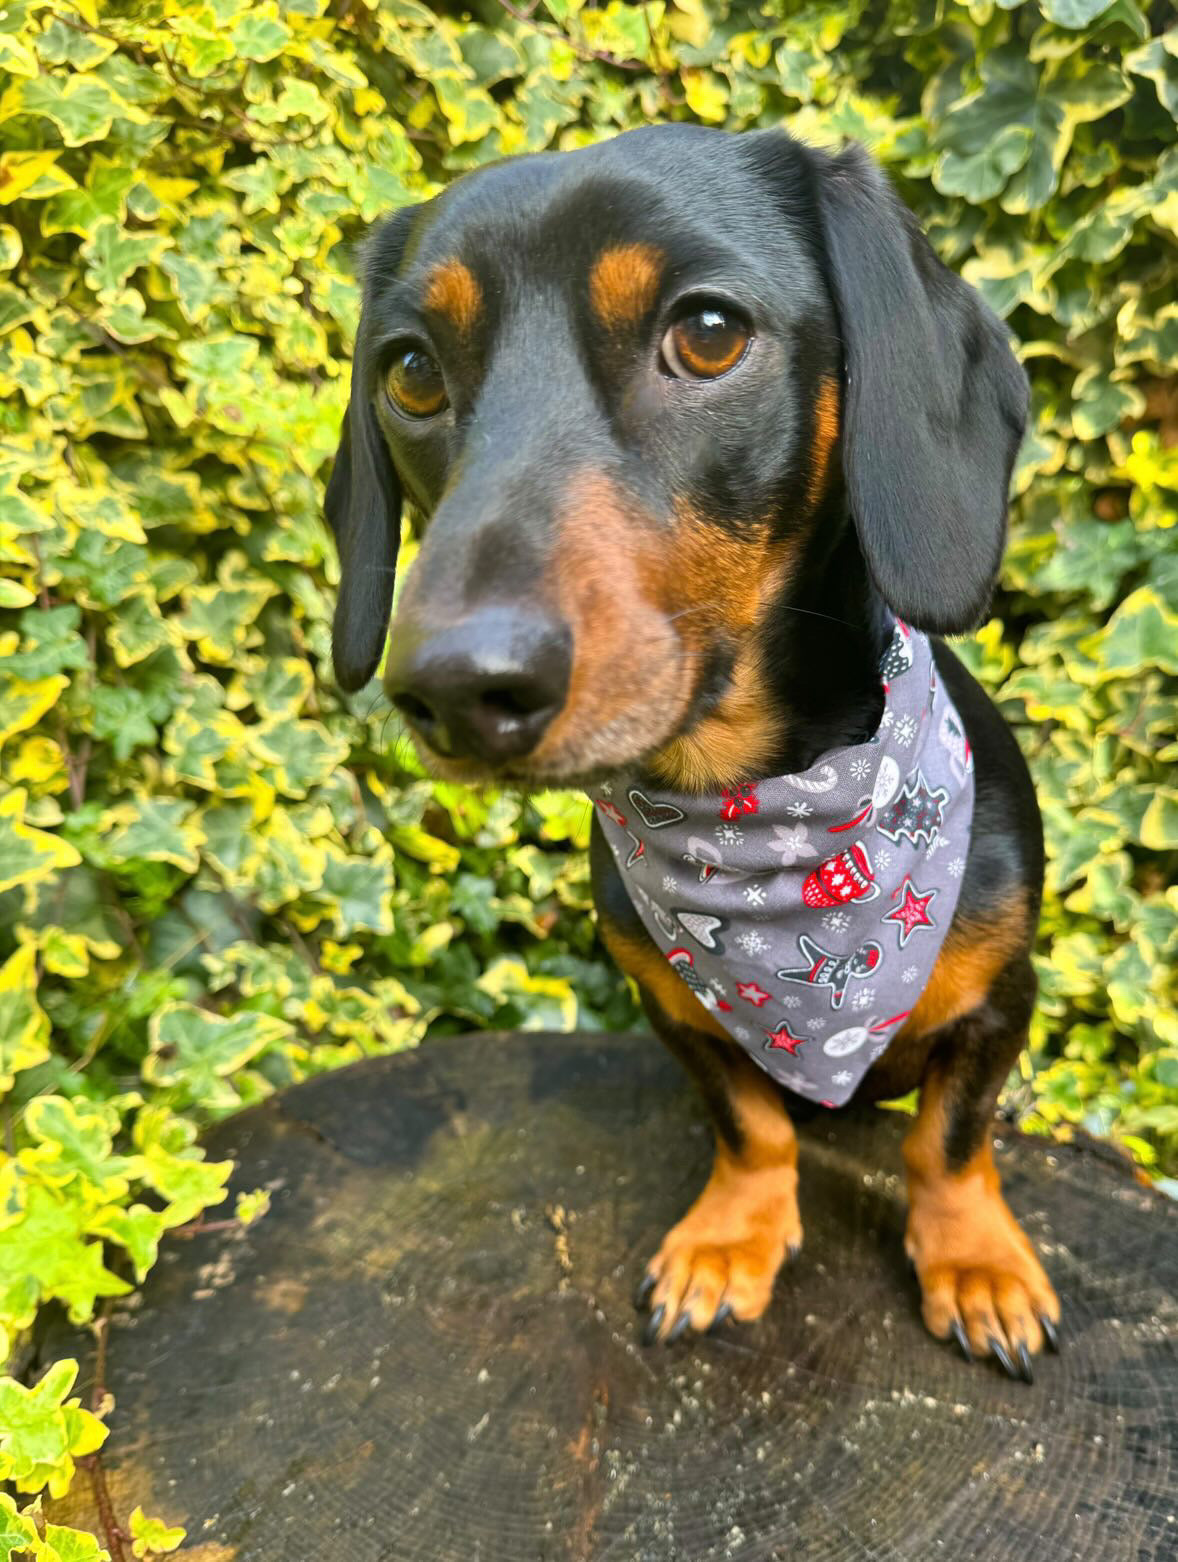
{"type": "Point", "coordinates": [980, 1278]}
{"type": "Point", "coordinates": [721, 1259]}
{"type": "Point", "coordinates": [723, 1256]}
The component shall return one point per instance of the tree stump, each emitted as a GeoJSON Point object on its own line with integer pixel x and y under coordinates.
{"type": "Point", "coordinates": [427, 1349]}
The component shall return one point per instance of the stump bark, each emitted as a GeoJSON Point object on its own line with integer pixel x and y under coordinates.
{"type": "Point", "coordinates": [427, 1350]}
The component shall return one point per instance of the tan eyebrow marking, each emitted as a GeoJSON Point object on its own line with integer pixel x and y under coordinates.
{"type": "Point", "coordinates": [453, 291]}
{"type": "Point", "coordinates": [623, 283]}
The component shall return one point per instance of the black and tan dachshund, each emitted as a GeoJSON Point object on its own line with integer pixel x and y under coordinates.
{"type": "Point", "coordinates": [692, 418]}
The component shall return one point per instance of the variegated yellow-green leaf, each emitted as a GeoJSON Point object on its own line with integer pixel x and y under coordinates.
{"type": "Point", "coordinates": [46, 1253]}
{"type": "Point", "coordinates": [154, 830]}
{"type": "Point", "coordinates": [536, 1002]}
{"type": "Point", "coordinates": [198, 1051]}
{"type": "Point", "coordinates": [40, 1429]}
{"type": "Point", "coordinates": [152, 1537]}
{"type": "Point", "coordinates": [18, 1533]}
{"type": "Point", "coordinates": [20, 170]}
{"type": "Point", "coordinates": [74, 1144]}
{"type": "Point", "coordinates": [28, 855]}
{"type": "Point", "coordinates": [24, 1025]}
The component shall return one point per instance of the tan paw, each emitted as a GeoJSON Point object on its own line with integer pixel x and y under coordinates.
{"type": "Point", "coordinates": [981, 1282]}
{"type": "Point", "coordinates": [722, 1258]}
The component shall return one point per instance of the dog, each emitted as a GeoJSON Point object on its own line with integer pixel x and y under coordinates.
{"type": "Point", "coordinates": [711, 449]}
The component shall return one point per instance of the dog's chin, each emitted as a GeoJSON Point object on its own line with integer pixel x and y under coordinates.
{"type": "Point", "coordinates": [581, 768]}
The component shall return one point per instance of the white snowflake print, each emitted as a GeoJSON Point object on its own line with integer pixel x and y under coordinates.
{"type": "Point", "coordinates": [883, 859]}
{"type": "Point", "coordinates": [740, 1032]}
{"type": "Point", "coordinates": [957, 867]}
{"type": "Point", "coordinates": [606, 789]}
{"type": "Point", "coordinates": [790, 844]}
{"type": "Point", "coordinates": [718, 988]}
{"type": "Point", "coordinates": [670, 884]}
{"type": "Point", "coordinates": [860, 769]}
{"type": "Point", "coordinates": [878, 1050]}
{"type": "Point", "coordinates": [818, 1024]}
{"type": "Point", "coordinates": [729, 834]}
{"type": "Point", "coordinates": [887, 718]}
{"type": "Point", "coordinates": [794, 1082]}
{"type": "Point", "coordinates": [752, 943]}
{"type": "Point", "coordinates": [906, 730]}
{"type": "Point", "coordinates": [755, 895]}
{"type": "Point", "coordinates": [791, 1001]}
{"type": "Point", "coordinates": [799, 810]}
{"type": "Point", "coordinates": [843, 1077]}
{"type": "Point", "coordinates": [909, 974]}
{"type": "Point", "coordinates": [864, 999]}
{"type": "Point", "coordinates": [836, 922]}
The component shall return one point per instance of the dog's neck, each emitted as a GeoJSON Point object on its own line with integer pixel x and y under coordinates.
{"type": "Point", "coordinates": [828, 631]}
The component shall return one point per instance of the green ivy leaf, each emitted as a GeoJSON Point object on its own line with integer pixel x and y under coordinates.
{"type": "Point", "coordinates": [199, 1051]}
{"type": "Point", "coordinates": [981, 175]}
{"type": "Point", "coordinates": [1141, 636]}
{"type": "Point", "coordinates": [112, 254]}
{"type": "Point", "coordinates": [154, 829]}
{"type": "Point", "coordinates": [1157, 62]}
{"type": "Point", "coordinates": [17, 1532]}
{"type": "Point", "coordinates": [74, 1142]}
{"type": "Point", "coordinates": [1159, 824]}
{"type": "Point", "coordinates": [45, 1254]}
{"type": "Point", "coordinates": [1074, 13]}
{"type": "Point", "coordinates": [358, 893]}
{"type": "Point", "coordinates": [259, 38]}
{"type": "Point", "coordinates": [24, 1025]}
{"type": "Point", "coordinates": [28, 855]}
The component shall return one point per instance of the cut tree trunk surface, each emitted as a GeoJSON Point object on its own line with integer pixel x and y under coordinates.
{"type": "Point", "coordinates": [427, 1349]}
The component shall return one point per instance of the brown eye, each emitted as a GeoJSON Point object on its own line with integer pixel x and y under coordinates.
{"type": "Point", "coordinates": [415, 384]}
{"type": "Point", "coordinates": [706, 344]}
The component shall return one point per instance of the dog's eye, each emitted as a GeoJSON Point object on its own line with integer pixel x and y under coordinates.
{"type": "Point", "coordinates": [705, 344]}
{"type": "Point", "coordinates": [415, 384]}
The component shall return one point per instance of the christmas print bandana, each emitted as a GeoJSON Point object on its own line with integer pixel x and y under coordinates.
{"type": "Point", "coordinates": [806, 912]}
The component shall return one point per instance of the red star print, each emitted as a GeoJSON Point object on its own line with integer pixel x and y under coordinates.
{"type": "Point", "coordinates": [783, 1040]}
{"type": "Point", "coordinates": [912, 912]}
{"type": "Point", "coordinates": [751, 993]}
{"type": "Point", "coordinates": [611, 812]}
{"type": "Point", "coordinates": [738, 800]}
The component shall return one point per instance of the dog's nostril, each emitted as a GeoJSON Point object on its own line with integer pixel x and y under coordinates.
{"type": "Point", "coordinates": [513, 702]}
{"type": "Point", "coordinates": [413, 709]}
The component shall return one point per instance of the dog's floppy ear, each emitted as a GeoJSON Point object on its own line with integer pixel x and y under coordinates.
{"type": "Point", "coordinates": [935, 404]}
{"type": "Point", "coordinates": [363, 499]}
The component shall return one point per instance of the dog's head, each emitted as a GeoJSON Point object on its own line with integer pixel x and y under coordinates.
{"type": "Point", "coordinates": [635, 389]}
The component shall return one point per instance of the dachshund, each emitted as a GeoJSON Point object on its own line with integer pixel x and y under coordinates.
{"type": "Point", "coordinates": [710, 449]}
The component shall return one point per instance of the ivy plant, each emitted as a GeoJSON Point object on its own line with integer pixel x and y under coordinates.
{"type": "Point", "coordinates": [217, 875]}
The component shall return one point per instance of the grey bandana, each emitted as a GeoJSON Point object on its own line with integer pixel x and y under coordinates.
{"type": "Point", "coordinates": [806, 912]}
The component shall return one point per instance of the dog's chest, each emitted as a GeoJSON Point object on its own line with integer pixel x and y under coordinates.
{"type": "Point", "coordinates": [806, 912]}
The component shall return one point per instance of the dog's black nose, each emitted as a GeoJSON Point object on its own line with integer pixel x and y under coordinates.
{"type": "Point", "coordinates": [484, 688]}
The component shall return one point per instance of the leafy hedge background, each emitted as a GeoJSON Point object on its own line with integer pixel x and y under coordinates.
{"type": "Point", "coordinates": [217, 875]}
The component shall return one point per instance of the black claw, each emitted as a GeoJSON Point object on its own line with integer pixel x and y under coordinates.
{"type": "Point", "coordinates": [645, 1287]}
{"type": "Point", "coordinates": [793, 1250]}
{"type": "Point", "coordinates": [679, 1329]}
{"type": "Point", "coordinates": [653, 1323]}
{"type": "Point", "coordinates": [957, 1330]}
{"type": "Point", "coordinates": [1024, 1362]}
{"type": "Point", "coordinates": [723, 1313]}
{"type": "Point", "coordinates": [1051, 1333]}
{"type": "Point", "coordinates": [1003, 1356]}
